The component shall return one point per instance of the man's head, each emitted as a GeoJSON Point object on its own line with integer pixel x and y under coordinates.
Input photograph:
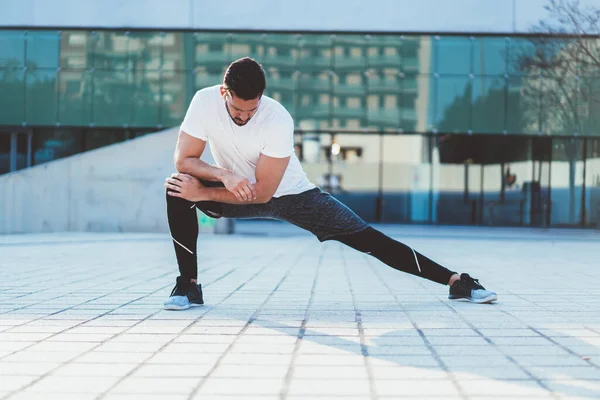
{"type": "Point", "coordinates": [243, 86]}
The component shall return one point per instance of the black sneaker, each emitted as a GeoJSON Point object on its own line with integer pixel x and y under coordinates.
{"type": "Point", "coordinates": [469, 289]}
{"type": "Point", "coordinates": [184, 296]}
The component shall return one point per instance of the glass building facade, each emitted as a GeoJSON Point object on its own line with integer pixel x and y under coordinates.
{"type": "Point", "coordinates": [402, 128]}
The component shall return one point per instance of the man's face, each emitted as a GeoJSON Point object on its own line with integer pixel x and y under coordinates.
{"type": "Point", "coordinates": [240, 110]}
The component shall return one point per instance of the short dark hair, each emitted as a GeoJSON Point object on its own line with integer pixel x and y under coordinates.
{"type": "Point", "coordinates": [246, 78]}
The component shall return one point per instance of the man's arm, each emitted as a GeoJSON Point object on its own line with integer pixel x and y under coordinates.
{"type": "Point", "coordinates": [269, 172]}
{"type": "Point", "coordinates": [187, 161]}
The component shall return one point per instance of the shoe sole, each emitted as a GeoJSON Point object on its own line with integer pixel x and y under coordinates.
{"type": "Point", "coordinates": [180, 308]}
{"type": "Point", "coordinates": [488, 299]}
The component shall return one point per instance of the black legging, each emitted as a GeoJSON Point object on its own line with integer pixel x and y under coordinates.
{"type": "Point", "coordinates": [183, 224]}
{"type": "Point", "coordinates": [395, 254]}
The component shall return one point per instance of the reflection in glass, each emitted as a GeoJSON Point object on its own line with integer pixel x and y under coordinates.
{"type": "Point", "coordinates": [95, 138]}
{"type": "Point", "coordinates": [53, 143]}
{"type": "Point", "coordinates": [42, 49]}
{"type": "Point", "coordinates": [75, 49]}
{"type": "Point", "coordinates": [40, 106]}
{"type": "Point", "coordinates": [5, 152]}
{"type": "Point", "coordinates": [75, 97]}
{"type": "Point", "coordinates": [523, 105]}
{"type": "Point", "coordinates": [453, 103]}
{"type": "Point", "coordinates": [406, 177]}
{"type": "Point", "coordinates": [453, 55]}
{"type": "Point", "coordinates": [175, 97]}
{"type": "Point", "coordinates": [12, 108]}
{"type": "Point", "coordinates": [12, 49]}
{"type": "Point", "coordinates": [592, 183]}
{"type": "Point", "coordinates": [111, 101]}
{"type": "Point", "coordinates": [488, 111]}
{"type": "Point", "coordinates": [567, 180]}
{"type": "Point", "coordinates": [490, 56]}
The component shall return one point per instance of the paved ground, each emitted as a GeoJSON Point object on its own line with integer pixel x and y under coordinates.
{"type": "Point", "coordinates": [290, 318]}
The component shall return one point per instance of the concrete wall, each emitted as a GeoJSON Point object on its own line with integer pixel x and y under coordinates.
{"type": "Point", "coordinates": [500, 16]}
{"type": "Point", "coordinates": [117, 188]}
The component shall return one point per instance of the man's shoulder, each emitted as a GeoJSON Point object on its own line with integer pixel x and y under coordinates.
{"type": "Point", "coordinates": [276, 111]}
{"type": "Point", "coordinates": [207, 94]}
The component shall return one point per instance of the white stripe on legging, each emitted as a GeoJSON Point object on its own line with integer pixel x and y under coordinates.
{"type": "Point", "coordinates": [191, 252]}
{"type": "Point", "coordinates": [416, 260]}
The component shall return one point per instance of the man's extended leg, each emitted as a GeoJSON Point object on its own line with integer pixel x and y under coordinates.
{"type": "Point", "coordinates": [396, 254]}
{"type": "Point", "coordinates": [329, 219]}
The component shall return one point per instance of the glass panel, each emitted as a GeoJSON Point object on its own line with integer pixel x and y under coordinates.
{"type": "Point", "coordinates": [417, 55]}
{"type": "Point", "coordinates": [314, 101]}
{"type": "Point", "coordinates": [112, 104]}
{"type": "Point", "coordinates": [204, 77]}
{"type": "Point", "coordinates": [146, 97]}
{"type": "Point", "coordinates": [488, 104]}
{"type": "Point", "coordinates": [559, 113]}
{"type": "Point", "coordinates": [417, 102]}
{"type": "Point", "coordinates": [4, 152]}
{"type": "Point", "coordinates": [592, 183]}
{"type": "Point", "coordinates": [523, 112]}
{"type": "Point", "coordinates": [588, 106]}
{"type": "Point", "coordinates": [76, 49]}
{"type": "Point", "coordinates": [588, 63]}
{"type": "Point", "coordinates": [353, 176]}
{"type": "Point", "coordinates": [12, 109]}
{"type": "Point", "coordinates": [101, 137]}
{"type": "Point", "coordinates": [175, 54]}
{"type": "Point", "coordinates": [457, 179]}
{"type": "Point", "coordinates": [567, 181]}
{"type": "Point", "coordinates": [316, 157]}
{"type": "Point", "coordinates": [21, 151]}
{"type": "Point", "coordinates": [213, 52]}
{"type": "Point", "coordinates": [75, 97]}
{"type": "Point", "coordinates": [43, 49]}
{"type": "Point", "coordinates": [518, 50]}
{"type": "Point", "coordinates": [406, 180]}
{"type": "Point", "coordinates": [384, 53]}
{"type": "Point", "coordinates": [175, 99]}
{"type": "Point", "coordinates": [248, 45]}
{"type": "Point", "coordinates": [281, 86]}
{"type": "Point", "coordinates": [453, 104]}
{"type": "Point", "coordinates": [145, 51]}
{"type": "Point", "coordinates": [348, 96]}
{"type": "Point", "coordinates": [349, 64]}
{"type": "Point", "coordinates": [110, 50]}
{"type": "Point", "coordinates": [314, 53]}
{"type": "Point", "coordinates": [52, 144]}
{"type": "Point", "coordinates": [453, 55]}
{"type": "Point", "coordinates": [12, 49]}
{"type": "Point", "coordinates": [41, 97]}
{"type": "Point", "coordinates": [490, 56]}
{"type": "Point", "coordinates": [508, 170]}
{"type": "Point", "coordinates": [383, 100]}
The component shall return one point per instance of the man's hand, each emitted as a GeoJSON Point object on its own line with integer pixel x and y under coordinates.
{"type": "Point", "coordinates": [239, 186]}
{"type": "Point", "coordinates": [185, 186]}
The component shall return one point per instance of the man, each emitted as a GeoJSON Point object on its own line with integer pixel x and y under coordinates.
{"type": "Point", "coordinates": [258, 175]}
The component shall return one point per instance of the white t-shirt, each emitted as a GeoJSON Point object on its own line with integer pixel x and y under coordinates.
{"type": "Point", "coordinates": [237, 148]}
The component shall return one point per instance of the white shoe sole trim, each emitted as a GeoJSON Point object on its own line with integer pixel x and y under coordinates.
{"type": "Point", "coordinates": [175, 307]}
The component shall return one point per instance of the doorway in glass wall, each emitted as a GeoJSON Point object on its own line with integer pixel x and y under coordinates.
{"type": "Point", "coordinates": [15, 150]}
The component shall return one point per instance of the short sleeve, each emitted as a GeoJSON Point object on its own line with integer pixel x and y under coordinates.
{"type": "Point", "coordinates": [278, 137]}
{"type": "Point", "coordinates": [192, 124]}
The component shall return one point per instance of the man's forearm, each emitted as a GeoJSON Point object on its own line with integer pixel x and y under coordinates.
{"type": "Point", "coordinates": [201, 170]}
{"type": "Point", "coordinates": [222, 195]}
